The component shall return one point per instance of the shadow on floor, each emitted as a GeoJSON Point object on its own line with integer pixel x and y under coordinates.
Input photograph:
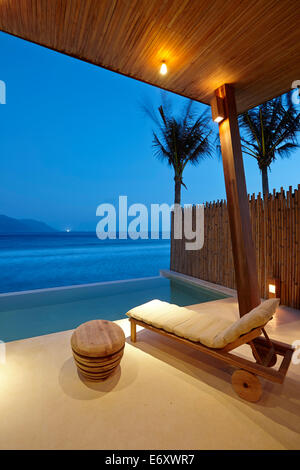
{"type": "Point", "coordinates": [76, 386]}
{"type": "Point", "coordinates": [279, 403]}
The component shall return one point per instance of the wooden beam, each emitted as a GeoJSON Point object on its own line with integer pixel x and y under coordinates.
{"type": "Point", "coordinates": [238, 205]}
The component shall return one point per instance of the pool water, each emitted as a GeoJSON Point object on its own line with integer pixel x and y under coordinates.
{"type": "Point", "coordinates": [36, 313]}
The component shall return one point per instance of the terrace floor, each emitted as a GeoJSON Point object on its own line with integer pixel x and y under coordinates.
{"type": "Point", "coordinates": [164, 396]}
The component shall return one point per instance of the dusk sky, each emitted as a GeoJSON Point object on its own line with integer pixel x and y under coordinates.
{"type": "Point", "coordinates": [73, 136]}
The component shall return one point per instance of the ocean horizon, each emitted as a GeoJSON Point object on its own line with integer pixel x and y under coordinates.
{"type": "Point", "coordinates": [42, 260]}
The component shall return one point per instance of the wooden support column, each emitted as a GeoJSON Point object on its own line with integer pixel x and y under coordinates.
{"type": "Point", "coordinates": [238, 205]}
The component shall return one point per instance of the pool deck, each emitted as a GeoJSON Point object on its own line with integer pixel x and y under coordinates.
{"type": "Point", "coordinates": [164, 396]}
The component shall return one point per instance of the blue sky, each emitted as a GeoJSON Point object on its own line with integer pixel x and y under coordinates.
{"type": "Point", "coordinates": [73, 136]}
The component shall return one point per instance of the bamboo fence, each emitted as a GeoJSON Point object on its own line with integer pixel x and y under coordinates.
{"type": "Point", "coordinates": [276, 235]}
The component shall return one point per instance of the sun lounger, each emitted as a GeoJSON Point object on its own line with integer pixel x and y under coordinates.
{"type": "Point", "coordinates": [216, 336]}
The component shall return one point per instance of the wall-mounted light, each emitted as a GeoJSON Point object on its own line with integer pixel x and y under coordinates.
{"type": "Point", "coordinates": [217, 109]}
{"type": "Point", "coordinates": [273, 288]}
{"type": "Point", "coordinates": [163, 68]}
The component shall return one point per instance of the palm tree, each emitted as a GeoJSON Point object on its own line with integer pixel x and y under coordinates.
{"type": "Point", "coordinates": [181, 140]}
{"type": "Point", "coordinates": [270, 131]}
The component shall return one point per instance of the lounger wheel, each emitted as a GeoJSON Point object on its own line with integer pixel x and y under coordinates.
{"type": "Point", "coordinates": [246, 385]}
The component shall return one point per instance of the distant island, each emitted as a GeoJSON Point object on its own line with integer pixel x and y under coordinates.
{"type": "Point", "coordinates": [11, 225]}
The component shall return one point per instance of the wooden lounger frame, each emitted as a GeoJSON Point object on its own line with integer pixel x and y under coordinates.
{"type": "Point", "coordinates": [264, 350]}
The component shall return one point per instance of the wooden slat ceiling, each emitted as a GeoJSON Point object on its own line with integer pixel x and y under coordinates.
{"type": "Point", "coordinates": [253, 44]}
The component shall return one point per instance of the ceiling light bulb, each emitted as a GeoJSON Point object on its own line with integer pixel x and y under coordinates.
{"type": "Point", "coordinates": [163, 68]}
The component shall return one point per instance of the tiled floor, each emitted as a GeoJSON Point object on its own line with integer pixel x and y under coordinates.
{"type": "Point", "coordinates": [164, 396]}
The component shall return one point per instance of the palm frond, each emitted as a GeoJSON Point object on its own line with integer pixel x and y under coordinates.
{"type": "Point", "coordinates": [159, 150]}
{"type": "Point", "coordinates": [249, 121]}
{"type": "Point", "coordinates": [187, 113]}
{"type": "Point", "coordinates": [285, 150]}
{"type": "Point", "coordinates": [270, 129]}
{"type": "Point", "coordinates": [182, 139]}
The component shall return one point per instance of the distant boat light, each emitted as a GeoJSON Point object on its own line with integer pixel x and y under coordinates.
{"type": "Point", "coordinates": [163, 68]}
{"type": "Point", "coordinates": [68, 230]}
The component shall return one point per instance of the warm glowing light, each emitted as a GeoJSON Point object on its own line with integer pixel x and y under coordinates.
{"type": "Point", "coordinates": [218, 119]}
{"type": "Point", "coordinates": [163, 68]}
{"type": "Point", "coordinates": [217, 109]}
{"type": "Point", "coordinates": [272, 288]}
{"type": "Point", "coordinates": [273, 284]}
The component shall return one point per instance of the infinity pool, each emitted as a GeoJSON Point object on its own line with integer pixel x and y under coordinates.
{"type": "Point", "coordinates": [35, 313]}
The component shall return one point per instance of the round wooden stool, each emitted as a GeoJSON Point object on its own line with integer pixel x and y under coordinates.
{"type": "Point", "coordinates": [98, 347]}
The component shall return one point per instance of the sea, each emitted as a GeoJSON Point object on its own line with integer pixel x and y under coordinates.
{"type": "Point", "coordinates": [38, 261]}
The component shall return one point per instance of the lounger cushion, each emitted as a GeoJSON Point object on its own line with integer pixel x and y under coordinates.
{"type": "Point", "coordinates": [203, 328]}
{"type": "Point", "coordinates": [211, 330]}
{"type": "Point", "coordinates": [161, 314]}
{"type": "Point", "coordinates": [257, 317]}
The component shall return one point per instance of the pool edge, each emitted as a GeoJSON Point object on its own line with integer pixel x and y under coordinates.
{"type": "Point", "coordinates": [75, 286]}
{"type": "Point", "coordinates": [168, 274]}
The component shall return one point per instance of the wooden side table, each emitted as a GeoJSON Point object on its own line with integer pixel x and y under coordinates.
{"type": "Point", "coordinates": [97, 347]}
